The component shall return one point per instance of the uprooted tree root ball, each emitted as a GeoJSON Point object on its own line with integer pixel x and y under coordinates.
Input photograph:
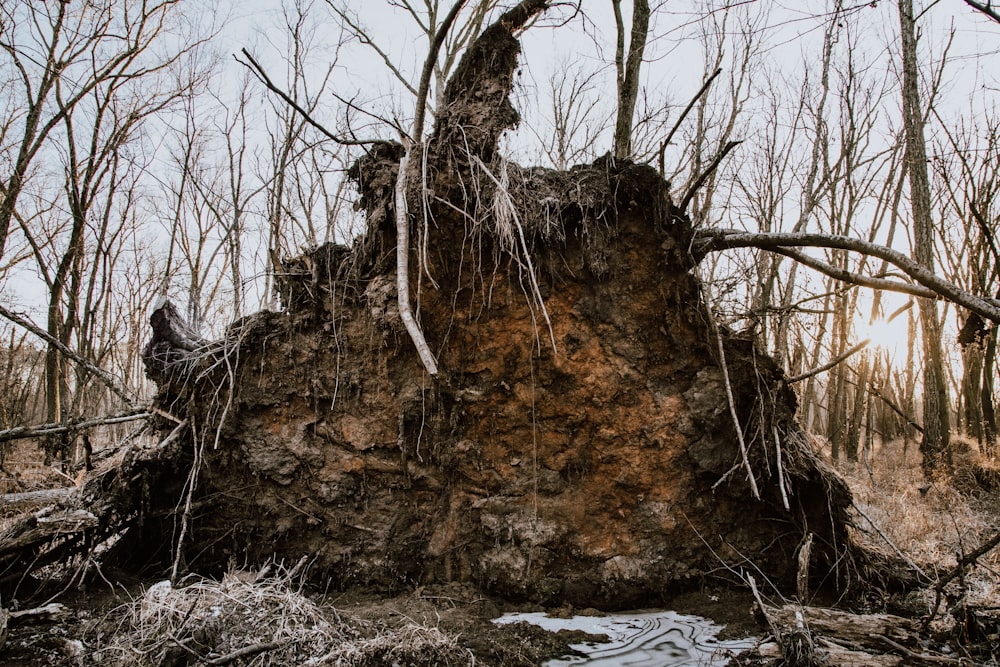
{"type": "Point", "coordinates": [592, 436]}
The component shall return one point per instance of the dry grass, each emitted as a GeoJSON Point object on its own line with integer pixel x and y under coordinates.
{"type": "Point", "coordinates": [247, 622]}
{"type": "Point", "coordinates": [936, 525]}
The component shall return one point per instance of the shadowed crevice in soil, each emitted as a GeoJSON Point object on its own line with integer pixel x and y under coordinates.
{"type": "Point", "coordinates": [571, 448]}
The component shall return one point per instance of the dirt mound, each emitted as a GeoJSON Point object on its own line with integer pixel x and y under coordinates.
{"type": "Point", "coordinates": [578, 444]}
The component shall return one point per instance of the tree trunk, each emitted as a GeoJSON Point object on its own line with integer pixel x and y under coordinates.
{"type": "Point", "coordinates": [972, 377]}
{"type": "Point", "coordinates": [628, 72]}
{"type": "Point", "coordinates": [837, 386]}
{"type": "Point", "coordinates": [986, 396]}
{"type": "Point", "coordinates": [854, 433]}
{"type": "Point", "coordinates": [934, 446]}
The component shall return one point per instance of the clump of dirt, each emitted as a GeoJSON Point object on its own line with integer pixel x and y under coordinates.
{"type": "Point", "coordinates": [577, 445]}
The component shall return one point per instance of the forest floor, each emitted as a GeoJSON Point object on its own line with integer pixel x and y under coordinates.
{"type": "Point", "coordinates": [111, 618]}
{"type": "Point", "coordinates": [934, 525]}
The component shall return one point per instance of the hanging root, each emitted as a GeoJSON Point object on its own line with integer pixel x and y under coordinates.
{"type": "Point", "coordinates": [510, 233]}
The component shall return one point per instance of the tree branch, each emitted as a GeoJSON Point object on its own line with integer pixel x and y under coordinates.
{"type": "Point", "coordinates": [856, 278]}
{"type": "Point", "coordinates": [680, 119]}
{"type": "Point", "coordinates": [39, 430]}
{"type": "Point", "coordinates": [968, 559]}
{"type": "Point", "coordinates": [712, 240]}
{"type": "Point", "coordinates": [262, 76]}
{"type": "Point", "coordinates": [830, 364]}
{"type": "Point", "coordinates": [428, 70]}
{"type": "Point", "coordinates": [106, 378]}
{"type": "Point", "coordinates": [985, 9]}
{"type": "Point", "coordinates": [689, 195]}
{"type": "Point", "coordinates": [877, 393]}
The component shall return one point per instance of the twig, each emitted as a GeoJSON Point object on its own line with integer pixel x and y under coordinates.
{"type": "Point", "coordinates": [827, 366]}
{"type": "Point", "coordinates": [919, 657]}
{"type": "Point", "coordinates": [877, 393]}
{"type": "Point", "coordinates": [687, 110]}
{"type": "Point", "coordinates": [109, 381]}
{"type": "Point", "coordinates": [244, 652]}
{"type": "Point", "coordinates": [969, 559]}
{"type": "Point", "coordinates": [262, 76]}
{"type": "Point", "coordinates": [183, 643]}
{"type": "Point", "coordinates": [689, 195]}
{"type": "Point", "coordinates": [898, 551]}
{"type": "Point", "coordinates": [763, 608]}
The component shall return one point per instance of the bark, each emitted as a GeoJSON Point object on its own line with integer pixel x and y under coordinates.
{"type": "Point", "coordinates": [713, 240]}
{"type": "Point", "coordinates": [986, 395]}
{"type": "Point", "coordinates": [934, 445]}
{"type": "Point", "coordinates": [971, 392]}
{"type": "Point", "coordinates": [854, 431]}
{"type": "Point", "coordinates": [11, 501]}
{"type": "Point", "coordinates": [837, 388]}
{"type": "Point", "coordinates": [834, 638]}
{"type": "Point", "coordinates": [628, 68]}
{"type": "Point", "coordinates": [109, 502]}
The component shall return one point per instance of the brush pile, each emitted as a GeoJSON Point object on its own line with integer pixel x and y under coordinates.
{"type": "Point", "coordinates": [251, 620]}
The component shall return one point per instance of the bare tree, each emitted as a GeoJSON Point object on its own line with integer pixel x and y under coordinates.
{"type": "Point", "coordinates": [575, 117]}
{"type": "Point", "coordinates": [72, 47]}
{"type": "Point", "coordinates": [934, 445]}
{"type": "Point", "coordinates": [88, 76]}
{"type": "Point", "coordinates": [967, 174]}
{"type": "Point", "coordinates": [628, 69]}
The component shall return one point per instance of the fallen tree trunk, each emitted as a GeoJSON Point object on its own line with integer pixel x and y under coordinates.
{"type": "Point", "coordinates": [44, 526]}
{"type": "Point", "coordinates": [41, 430]}
{"type": "Point", "coordinates": [14, 501]}
{"type": "Point", "coordinates": [830, 655]}
{"type": "Point", "coordinates": [49, 613]}
{"type": "Point", "coordinates": [831, 637]}
{"type": "Point", "coordinates": [110, 502]}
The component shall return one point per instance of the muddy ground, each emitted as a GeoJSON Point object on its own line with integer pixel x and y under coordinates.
{"type": "Point", "coordinates": [96, 612]}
